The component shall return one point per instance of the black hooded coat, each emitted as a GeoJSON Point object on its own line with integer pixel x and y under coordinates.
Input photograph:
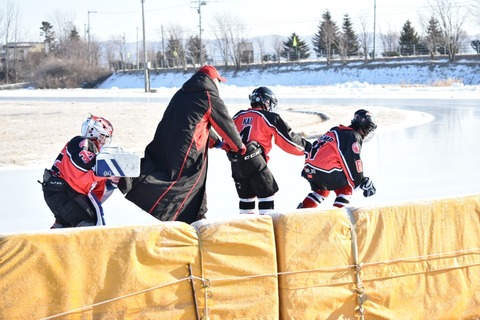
{"type": "Point", "coordinates": [171, 185]}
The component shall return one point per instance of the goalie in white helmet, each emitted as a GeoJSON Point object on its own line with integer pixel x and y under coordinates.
{"type": "Point", "coordinates": [98, 129]}
{"type": "Point", "coordinates": [71, 189]}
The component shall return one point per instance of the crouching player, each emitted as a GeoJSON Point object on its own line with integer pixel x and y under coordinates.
{"type": "Point", "coordinates": [334, 163]}
{"type": "Point", "coordinates": [72, 190]}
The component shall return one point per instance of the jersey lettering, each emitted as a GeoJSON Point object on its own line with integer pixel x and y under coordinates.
{"type": "Point", "coordinates": [359, 165]}
{"type": "Point", "coordinates": [86, 156]}
{"type": "Point", "coordinates": [247, 121]}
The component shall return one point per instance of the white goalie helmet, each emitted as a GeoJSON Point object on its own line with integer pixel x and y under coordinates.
{"type": "Point", "coordinates": [98, 128]}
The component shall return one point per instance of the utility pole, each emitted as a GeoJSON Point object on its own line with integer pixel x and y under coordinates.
{"type": "Point", "coordinates": [145, 66]}
{"type": "Point", "coordinates": [88, 34]}
{"type": "Point", "coordinates": [138, 53]}
{"type": "Point", "coordinates": [374, 25]}
{"type": "Point", "coordinates": [164, 64]}
{"type": "Point", "coordinates": [199, 10]}
{"type": "Point", "coordinates": [124, 52]}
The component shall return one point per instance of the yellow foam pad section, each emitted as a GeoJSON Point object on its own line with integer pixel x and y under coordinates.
{"type": "Point", "coordinates": [102, 273]}
{"type": "Point", "coordinates": [170, 270]}
{"type": "Point", "coordinates": [421, 260]}
{"type": "Point", "coordinates": [240, 262]}
{"type": "Point", "coordinates": [315, 265]}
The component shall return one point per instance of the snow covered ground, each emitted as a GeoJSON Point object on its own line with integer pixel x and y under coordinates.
{"type": "Point", "coordinates": [22, 208]}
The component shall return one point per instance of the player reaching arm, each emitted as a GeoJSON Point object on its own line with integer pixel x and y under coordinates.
{"type": "Point", "coordinates": [260, 126]}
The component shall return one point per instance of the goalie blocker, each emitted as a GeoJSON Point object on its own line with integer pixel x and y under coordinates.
{"type": "Point", "coordinates": [113, 161]}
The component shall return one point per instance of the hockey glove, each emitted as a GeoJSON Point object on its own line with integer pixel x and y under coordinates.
{"type": "Point", "coordinates": [368, 187]}
{"type": "Point", "coordinates": [220, 144]}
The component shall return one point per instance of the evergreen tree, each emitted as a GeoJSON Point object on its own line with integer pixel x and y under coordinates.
{"type": "Point", "coordinates": [48, 34]}
{"type": "Point", "coordinates": [409, 40]}
{"type": "Point", "coordinates": [74, 36]}
{"type": "Point", "coordinates": [193, 51]}
{"type": "Point", "coordinates": [295, 48]}
{"type": "Point", "coordinates": [174, 53]}
{"type": "Point", "coordinates": [433, 38]}
{"type": "Point", "coordinates": [326, 39]}
{"type": "Point", "coordinates": [71, 47]}
{"type": "Point", "coordinates": [348, 41]}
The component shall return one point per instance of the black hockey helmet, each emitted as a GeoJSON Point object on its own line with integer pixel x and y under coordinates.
{"type": "Point", "coordinates": [363, 122]}
{"type": "Point", "coordinates": [264, 97]}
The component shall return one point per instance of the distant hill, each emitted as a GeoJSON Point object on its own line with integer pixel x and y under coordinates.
{"type": "Point", "coordinates": [417, 71]}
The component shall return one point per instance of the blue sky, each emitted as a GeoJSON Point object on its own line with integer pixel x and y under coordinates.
{"type": "Point", "coordinates": [110, 18]}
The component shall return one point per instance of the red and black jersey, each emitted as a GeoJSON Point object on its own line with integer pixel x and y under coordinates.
{"type": "Point", "coordinates": [335, 159]}
{"type": "Point", "coordinates": [74, 164]}
{"type": "Point", "coordinates": [256, 124]}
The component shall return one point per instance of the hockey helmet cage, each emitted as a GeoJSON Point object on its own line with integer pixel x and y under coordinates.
{"type": "Point", "coordinates": [265, 97]}
{"type": "Point", "coordinates": [363, 121]}
{"type": "Point", "coordinates": [98, 128]}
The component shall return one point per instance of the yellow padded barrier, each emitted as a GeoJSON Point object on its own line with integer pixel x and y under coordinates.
{"type": "Point", "coordinates": [60, 271]}
{"type": "Point", "coordinates": [415, 261]}
{"type": "Point", "coordinates": [240, 262]}
{"type": "Point", "coordinates": [316, 278]}
{"type": "Point", "coordinates": [164, 271]}
{"type": "Point", "coordinates": [421, 260]}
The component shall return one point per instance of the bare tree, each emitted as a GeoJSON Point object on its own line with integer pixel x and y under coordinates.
{"type": "Point", "coordinates": [63, 25]}
{"type": "Point", "coordinates": [390, 43]}
{"type": "Point", "coordinates": [261, 47]}
{"type": "Point", "coordinates": [229, 33]}
{"type": "Point", "coordinates": [365, 38]}
{"type": "Point", "coordinates": [2, 26]}
{"type": "Point", "coordinates": [94, 53]}
{"type": "Point", "coordinates": [475, 12]}
{"type": "Point", "coordinates": [451, 17]}
{"type": "Point", "coordinates": [10, 31]}
{"type": "Point", "coordinates": [114, 52]}
{"type": "Point", "coordinates": [278, 46]}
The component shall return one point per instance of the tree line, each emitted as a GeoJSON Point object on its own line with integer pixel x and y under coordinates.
{"type": "Point", "coordinates": [66, 59]}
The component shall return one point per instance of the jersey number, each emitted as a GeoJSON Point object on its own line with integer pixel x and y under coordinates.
{"type": "Point", "coordinates": [315, 147]}
{"type": "Point", "coordinates": [245, 133]}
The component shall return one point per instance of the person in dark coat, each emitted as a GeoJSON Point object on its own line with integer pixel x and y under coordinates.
{"type": "Point", "coordinates": [173, 173]}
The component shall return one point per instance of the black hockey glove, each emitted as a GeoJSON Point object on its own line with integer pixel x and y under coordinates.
{"type": "Point", "coordinates": [368, 187]}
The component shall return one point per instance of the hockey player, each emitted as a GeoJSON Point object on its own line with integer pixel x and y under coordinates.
{"type": "Point", "coordinates": [71, 189]}
{"type": "Point", "coordinates": [172, 182]}
{"type": "Point", "coordinates": [259, 126]}
{"type": "Point", "coordinates": [334, 162]}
